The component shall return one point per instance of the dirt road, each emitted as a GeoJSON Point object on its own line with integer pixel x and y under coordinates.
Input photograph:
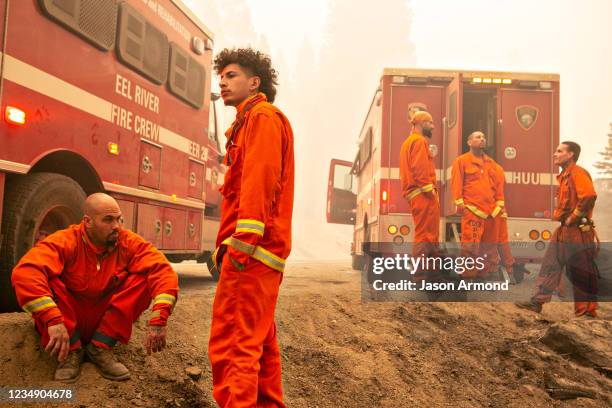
{"type": "Point", "coordinates": [340, 352]}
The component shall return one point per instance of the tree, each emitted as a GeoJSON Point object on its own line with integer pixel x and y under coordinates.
{"type": "Point", "coordinates": [605, 166]}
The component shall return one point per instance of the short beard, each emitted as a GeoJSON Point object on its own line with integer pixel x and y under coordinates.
{"type": "Point", "coordinates": [427, 132]}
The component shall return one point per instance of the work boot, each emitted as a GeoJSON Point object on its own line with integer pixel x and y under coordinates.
{"type": "Point", "coordinates": [531, 305]}
{"type": "Point", "coordinates": [68, 370]}
{"type": "Point", "coordinates": [107, 363]}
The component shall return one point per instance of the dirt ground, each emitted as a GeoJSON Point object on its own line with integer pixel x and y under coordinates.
{"type": "Point", "coordinates": [340, 352]}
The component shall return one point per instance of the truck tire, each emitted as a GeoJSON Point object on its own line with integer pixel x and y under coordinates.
{"type": "Point", "coordinates": [35, 206]}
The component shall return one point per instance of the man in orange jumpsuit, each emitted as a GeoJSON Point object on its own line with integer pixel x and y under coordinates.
{"type": "Point", "coordinates": [572, 245]}
{"type": "Point", "coordinates": [474, 195]}
{"type": "Point", "coordinates": [254, 236]}
{"type": "Point", "coordinates": [418, 177]}
{"type": "Point", "coordinates": [87, 284]}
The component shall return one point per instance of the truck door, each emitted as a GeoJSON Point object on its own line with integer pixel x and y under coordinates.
{"type": "Point", "coordinates": [341, 193]}
{"type": "Point", "coordinates": [452, 139]}
{"type": "Point", "coordinates": [525, 137]}
{"type": "Point", "coordinates": [405, 101]}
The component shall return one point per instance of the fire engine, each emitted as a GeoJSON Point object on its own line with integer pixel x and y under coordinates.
{"type": "Point", "coordinates": [519, 114]}
{"type": "Point", "coordinates": [107, 96]}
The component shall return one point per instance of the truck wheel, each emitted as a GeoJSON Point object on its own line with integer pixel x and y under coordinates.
{"type": "Point", "coordinates": [357, 262]}
{"type": "Point", "coordinates": [35, 206]}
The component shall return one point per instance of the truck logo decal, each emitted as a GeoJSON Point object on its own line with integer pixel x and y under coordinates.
{"type": "Point", "coordinates": [414, 108]}
{"type": "Point", "coordinates": [526, 115]}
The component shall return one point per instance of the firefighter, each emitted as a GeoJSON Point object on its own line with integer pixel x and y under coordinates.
{"type": "Point", "coordinates": [87, 284]}
{"type": "Point", "coordinates": [254, 237]}
{"type": "Point", "coordinates": [418, 176]}
{"type": "Point", "coordinates": [474, 195]}
{"type": "Point", "coordinates": [572, 244]}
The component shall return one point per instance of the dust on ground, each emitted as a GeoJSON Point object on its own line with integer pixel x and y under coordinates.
{"type": "Point", "coordinates": [340, 352]}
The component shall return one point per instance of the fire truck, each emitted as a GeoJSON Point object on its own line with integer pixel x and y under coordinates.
{"type": "Point", "coordinates": [519, 114]}
{"type": "Point", "coordinates": [107, 96]}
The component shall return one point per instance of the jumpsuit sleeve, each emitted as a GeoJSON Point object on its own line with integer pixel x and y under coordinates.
{"type": "Point", "coordinates": [457, 182]}
{"type": "Point", "coordinates": [585, 192]}
{"type": "Point", "coordinates": [31, 276]}
{"type": "Point", "coordinates": [260, 183]}
{"type": "Point", "coordinates": [419, 151]}
{"type": "Point", "coordinates": [162, 280]}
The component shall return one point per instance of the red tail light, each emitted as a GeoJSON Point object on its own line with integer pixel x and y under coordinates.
{"type": "Point", "coordinates": [15, 116]}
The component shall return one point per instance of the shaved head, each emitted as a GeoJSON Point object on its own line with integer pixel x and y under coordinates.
{"type": "Point", "coordinates": [474, 134]}
{"type": "Point", "coordinates": [98, 202]}
{"type": "Point", "coordinates": [103, 219]}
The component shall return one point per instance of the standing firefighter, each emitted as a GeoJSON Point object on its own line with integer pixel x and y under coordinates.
{"type": "Point", "coordinates": [86, 285]}
{"type": "Point", "coordinates": [254, 237]}
{"type": "Point", "coordinates": [572, 245]}
{"type": "Point", "coordinates": [418, 176]}
{"type": "Point", "coordinates": [474, 195]}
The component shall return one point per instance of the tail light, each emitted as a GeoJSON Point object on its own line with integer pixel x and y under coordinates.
{"type": "Point", "coordinates": [15, 116]}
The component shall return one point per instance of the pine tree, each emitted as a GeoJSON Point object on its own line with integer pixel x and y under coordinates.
{"type": "Point", "coordinates": [605, 165]}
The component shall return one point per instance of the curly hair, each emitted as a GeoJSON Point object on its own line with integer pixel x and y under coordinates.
{"type": "Point", "coordinates": [256, 62]}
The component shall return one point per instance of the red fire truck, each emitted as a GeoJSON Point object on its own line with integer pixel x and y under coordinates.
{"type": "Point", "coordinates": [112, 96]}
{"type": "Point", "coordinates": [519, 114]}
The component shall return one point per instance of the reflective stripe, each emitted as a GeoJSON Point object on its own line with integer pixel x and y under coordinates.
{"type": "Point", "coordinates": [76, 336]}
{"type": "Point", "coordinates": [254, 226]}
{"type": "Point", "coordinates": [240, 245]}
{"type": "Point", "coordinates": [459, 201]}
{"type": "Point", "coordinates": [500, 203]}
{"type": "Point", "coordinates": [39, 304]}
{"type": "Point", "coordinates": [426, 188]}
{"type": "Point", "coordinates": [269, 259]}
{"type": "Point", "coordinates": [476, 211]}
{"type": "Point", "coordinates": [104, 339]}
{"type": "Point", "coordinates": [256, 252]}
{"type": "Point", "coordinates": [164, 298]}
{"type": "Point", "coordinates": [496, 211]}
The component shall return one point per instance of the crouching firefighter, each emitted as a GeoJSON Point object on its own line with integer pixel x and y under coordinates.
{"type": "Point", "coordinates": [573, 244]}
{"type": "Point", "coordinates": [254, 236]}
{"type": "Point", "coordinates": [87, 284]}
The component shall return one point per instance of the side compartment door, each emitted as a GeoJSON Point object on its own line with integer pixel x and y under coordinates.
{"type": "Point", "coordinates": [526, 146]}
{"type": "Point", "coordinates": [341, 193]}
{"type": "Point", "coordinates": [452, 139]}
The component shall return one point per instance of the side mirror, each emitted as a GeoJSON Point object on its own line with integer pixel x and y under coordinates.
{"type": "Point", "coordinates": [214, 96]}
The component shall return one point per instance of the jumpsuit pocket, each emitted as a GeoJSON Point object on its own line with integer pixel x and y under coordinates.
{"type": "Point", "coordinates": [231, 181]}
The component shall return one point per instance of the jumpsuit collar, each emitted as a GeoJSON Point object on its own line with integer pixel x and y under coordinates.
{"type": "Point", "coordinates": [259, 97]}
{"type": "Point", "coordinates": [566, 172]}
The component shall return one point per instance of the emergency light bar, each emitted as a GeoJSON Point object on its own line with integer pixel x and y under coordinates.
{"type": "Point", "coordinates": [497, 81]}
{"type": "Point", "coordinates": [15, 116]}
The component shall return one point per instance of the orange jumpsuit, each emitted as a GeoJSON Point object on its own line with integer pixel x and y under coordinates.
{"type": "Point", "coordinates": [418, 177]}
{"type": "Point", "coordinates": [571, 246]}
{"type": "Point", "coordinates": [253, 242]}
{"type": "Point", "coordinates": [472, 187]}
{"type": "Point", "coordinates": [502, 247]}
{"type": "Point", "coordinates": [97, 293]}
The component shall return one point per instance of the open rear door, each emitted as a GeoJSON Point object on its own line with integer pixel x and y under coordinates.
{"type": "Point", "coordinates": [526, 144]}
{"type": "Point", "coordinates": [452, 139]}
{"type": "Point", "coordinates": [341, 193]}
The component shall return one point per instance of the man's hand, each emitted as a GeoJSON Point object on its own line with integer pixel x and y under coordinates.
{"type": "Point", "coordinates": [460, 209]}
{"type": "Point", "coordinates": [59, 341]}
{"type": "Point", "coordinates": [156, 339]}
